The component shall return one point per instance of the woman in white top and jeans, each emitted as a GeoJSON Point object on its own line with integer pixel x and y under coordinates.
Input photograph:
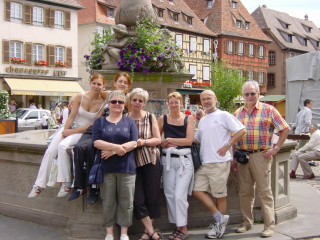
{"type": "Point", "coordinates": [86, 108]}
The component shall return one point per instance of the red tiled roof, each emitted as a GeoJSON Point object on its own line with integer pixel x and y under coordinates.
{"type": "Point", "coordinates": [179, 6]}
{"type": "Point", "coordinates": [221, 19]}
{"type": "Point", "coordinates": [67, 3]}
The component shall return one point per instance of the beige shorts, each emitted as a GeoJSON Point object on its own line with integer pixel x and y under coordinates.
{"type": "Point", "coordinates": [213, 178]}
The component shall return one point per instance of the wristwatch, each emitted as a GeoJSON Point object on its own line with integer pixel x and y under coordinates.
{"type": "Point", "coordinates": [276, 148]}
{"type": "Point", "coordinates": [228, 144]}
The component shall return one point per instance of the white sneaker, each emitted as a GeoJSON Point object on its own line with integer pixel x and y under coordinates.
{"type": "Point", "coordinates": [124, 237]}
{"type": "Point", "coordinates": [212, 234]}
{"type": "Point", "coordinates": [64, 190]}
{"type": "Point", "coordinates": [109, 237]}
{"type": "Point", "coordinates": [221, 226]}
{"type": "Point", "coordinates": [35, 191]}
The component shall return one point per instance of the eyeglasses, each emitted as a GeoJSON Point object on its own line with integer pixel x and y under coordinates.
{"type": "Point", "coordinates": [117, 102]}
{"type": "Point", "coordinates": [137, 100]}
{"type": "Point", "coordinates": [250, 94]}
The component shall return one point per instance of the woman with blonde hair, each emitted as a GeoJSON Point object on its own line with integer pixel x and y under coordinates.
{"type": "Point", "coordinates": [147, 187]}
{"type": "Point", "coordinates": [178, 130]}
{"type": "Point", "coordinates": [87, 107]}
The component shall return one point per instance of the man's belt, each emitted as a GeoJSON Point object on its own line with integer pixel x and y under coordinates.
{"type": "Point", "coordinates": [173, 155]}
{"type": "Point", "coordinates": [255, 151]}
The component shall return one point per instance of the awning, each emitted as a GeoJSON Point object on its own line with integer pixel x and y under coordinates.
{"type": "Point", "coordinates": [43, 87]}
{"type": "Point", "coordinates": [273, 98]}
{"type": "Point", "coordinates": [190, 91]}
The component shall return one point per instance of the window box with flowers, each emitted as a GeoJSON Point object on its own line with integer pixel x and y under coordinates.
{"type": "Point", "coordinates": [40, 63]}
{"type": "Point", "coordinates": [61, 64]}
{"type": "Point", "coordinates": [17, 60]}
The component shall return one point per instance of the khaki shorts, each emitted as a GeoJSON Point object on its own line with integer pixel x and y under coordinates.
{"type": "Point", "coordinates": [213, 178]}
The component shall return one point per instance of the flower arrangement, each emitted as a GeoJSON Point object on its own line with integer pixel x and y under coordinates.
{"type": "Point", "coordinates": [17, 60]}
{"type": "Point", "coordinates": [199, 83]}
{"type": "Point", "coordinates": [94, 61]}
{"type": "Point", "coordinates": [40, 63]}
{"type": "Point", "coordinates": [61, 64]}
{"type": "Point", "coordinates": [153, 49]}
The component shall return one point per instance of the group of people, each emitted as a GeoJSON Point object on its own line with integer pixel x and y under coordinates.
{"type": "Point", "coordinates": [306, 151]}
{"type": "Point", "coordinates": [126, 139]}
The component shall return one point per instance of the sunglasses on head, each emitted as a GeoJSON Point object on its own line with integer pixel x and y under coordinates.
{"type": "Point", "coordinates": [137, 100]}
{"type": "Point", "coordinates": [250, 94]}
{"type": "Point", "coordinates": [117, 101]}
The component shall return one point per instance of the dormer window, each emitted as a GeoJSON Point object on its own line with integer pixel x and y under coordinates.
{"type": "Point", "coordinates": [234, 5]}
{"type": "Point", "coordinates": [247, 25]}
{"type": "Point", "coordinates": [305, 41]}
{"type": "Point", "coordinates": [110, 12]}
{"type": "Point", "coordinates": [160, 13]}
{"type": "Point", "coordinates": [176, 17]}
{"type": "Point", "coordinates": [238, 23]}
{"type": "Point", "coordinates": [284, 25]}
{"type": "Point", "coordinates": [307, 28]}
{"type": "Point", "coordinates": [210, 3]}
{"type": "Point", "coordinates": [189, 20]}
{"type": "Point", "coordinates": [171, 1]}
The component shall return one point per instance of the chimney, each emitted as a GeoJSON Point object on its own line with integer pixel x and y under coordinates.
{"type": "Point", "coordinates": [264, 6]}
{"type": "Point", "coordinates": [306, 17]}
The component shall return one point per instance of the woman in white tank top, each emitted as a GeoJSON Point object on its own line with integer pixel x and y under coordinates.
{"type": "Point", "coordinates": [85, 109]}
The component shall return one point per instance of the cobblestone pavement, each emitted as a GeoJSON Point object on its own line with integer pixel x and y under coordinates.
{"type": "Point", "coordinates": [315, 182]}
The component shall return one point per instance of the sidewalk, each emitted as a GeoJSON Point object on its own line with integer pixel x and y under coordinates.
{"type": "Point", "coordinates": [305, 195]}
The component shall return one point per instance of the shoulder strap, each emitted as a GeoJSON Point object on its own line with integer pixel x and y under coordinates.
{"type": "Point", "coordinates": [150, 120]}
{"type": "Point", "coordinates": [82, 98]}
{"type": "Point", "coordinates": [185, 120]}
{"type": "Point", "coordinates": [102, 105]}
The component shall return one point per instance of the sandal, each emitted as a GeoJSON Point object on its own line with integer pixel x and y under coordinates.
{"type": "Point", "coordinates": [142, 238]}
{"type": "Point", "coordinates": [159, 236]}
{"type": "Point", "coordinates": [181, 236]}
{"type": "Point", "coordinates": [174, 234]}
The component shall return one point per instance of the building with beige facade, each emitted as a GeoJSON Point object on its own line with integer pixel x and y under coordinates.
{"type": "Point", "coordinates": [39, 50]}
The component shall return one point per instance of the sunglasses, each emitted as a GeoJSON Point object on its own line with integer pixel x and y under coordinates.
{"type": "Point", "coordinates": [250, 94]}
{"type": "Point", "coordinates": [137, 100]}
{"type": "Point", "coordinates": [117, 101]}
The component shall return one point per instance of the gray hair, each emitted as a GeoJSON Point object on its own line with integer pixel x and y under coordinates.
{"type": "Point", "coordinates": [314, 125]}
{"type": "Point", "coordinates": [117, 93]}
{"type": "Point", "coordinates": [249, 83]}
{"type": "Point", "coordinates": [139, 92]}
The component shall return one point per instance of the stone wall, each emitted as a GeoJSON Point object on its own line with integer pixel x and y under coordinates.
{"type": "Point", "coordinates": [20, 158]}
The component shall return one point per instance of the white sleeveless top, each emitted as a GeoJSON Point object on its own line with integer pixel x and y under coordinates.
{"type": "Point", "coordinates": [84, 117]}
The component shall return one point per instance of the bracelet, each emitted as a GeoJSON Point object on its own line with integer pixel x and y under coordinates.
{"type": "Point", "coordinates": [276, 148]}
{"type": "Point", "coordinates": [228, 144]}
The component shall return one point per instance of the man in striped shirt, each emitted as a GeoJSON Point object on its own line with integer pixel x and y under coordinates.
{"type": "Point", "coordinates": [260, 120]}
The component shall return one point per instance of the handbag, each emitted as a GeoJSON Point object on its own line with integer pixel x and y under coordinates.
{"type": "Point", "coordinates": [96, 172]}
{"type": "Point", "coordinates": [241, 156]}
{"type": "Point", "coordinates": [195, 153]}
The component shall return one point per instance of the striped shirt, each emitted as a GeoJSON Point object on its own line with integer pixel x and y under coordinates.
{"type": "Point", "coordinates": [260, 125]}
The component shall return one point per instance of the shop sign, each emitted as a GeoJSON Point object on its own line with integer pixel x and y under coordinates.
{"type": "Point", "coordinates": [34, 71]}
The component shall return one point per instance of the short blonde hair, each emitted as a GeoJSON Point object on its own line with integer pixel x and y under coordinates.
{"type": "Point", "coordinates": [117, 93]}
{"type": "Point", "coordinates": [139, 92]}
{"type": "Point", "coordinates": [175, 95]}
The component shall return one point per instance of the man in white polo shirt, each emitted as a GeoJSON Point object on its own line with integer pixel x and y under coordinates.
{"type": "Point", "coordinates": [214, 135]}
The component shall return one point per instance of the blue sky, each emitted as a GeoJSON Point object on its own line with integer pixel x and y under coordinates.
{"type": "Point", "coordinates": [295, 8]}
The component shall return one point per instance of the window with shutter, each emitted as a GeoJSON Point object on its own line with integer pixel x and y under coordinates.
{"type": "Point", "coordinates": [67, 20]}
{"type": "Point", "coordinates": [28, 53]}
{"type": "Point", "coordinates": [37, 16]}
{"type": "Point", "coordinates": [51, 17]}
{"type": "Point", "coordinates": [16, 49]}
{"type": "Point", "coordinates": [58, 19]}
{"type": "Point", "coordinates": [27, 14]}
{"type": "Point", "coordinates": [16, 11]}
{"type": "Point", "coordinates": [69, 56]}
{"type": "Point", "coordinates": [50, 55]}
{"type": "Point", "coordinates": [5, 51]}
{"type": "Point", "coordinates": [38, 52]}
{"type": "Point", "coordinates": [7, 12]}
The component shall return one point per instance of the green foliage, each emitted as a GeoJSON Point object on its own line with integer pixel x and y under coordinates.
{"type": "Point", "coordinates": [4, 104]}
{"type": "Point", "coordinates": [152, 49]}
{"type": "Point", "coordinates": [227, 85]}
{"type": "Point", "coordinates": [95, 59]}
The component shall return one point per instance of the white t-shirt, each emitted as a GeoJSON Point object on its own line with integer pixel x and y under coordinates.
{"type": "Point", "coordinates": [65, 114]}
{"type": "Point", "coordinates": [214, 131]}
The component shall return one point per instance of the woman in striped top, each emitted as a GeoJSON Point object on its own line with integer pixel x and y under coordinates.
{"type": "Point", "coordinates": [147, 191]}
